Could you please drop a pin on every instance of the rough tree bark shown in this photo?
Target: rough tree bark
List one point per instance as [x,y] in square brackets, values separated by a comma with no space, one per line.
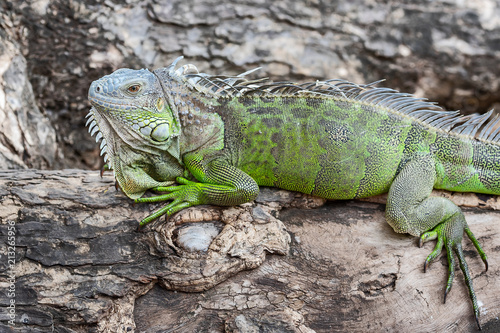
[50,52]
[82,266]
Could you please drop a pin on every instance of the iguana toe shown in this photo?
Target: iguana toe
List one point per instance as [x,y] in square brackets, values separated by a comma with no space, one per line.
[449,234]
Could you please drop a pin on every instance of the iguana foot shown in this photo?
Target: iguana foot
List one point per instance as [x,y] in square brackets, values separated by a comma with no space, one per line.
[183,196]
[449,234]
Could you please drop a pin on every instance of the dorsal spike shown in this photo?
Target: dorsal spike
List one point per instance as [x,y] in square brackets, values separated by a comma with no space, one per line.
[472,124]
[496,137]
[487,129]
[174,64]
[492,129]
[407,105]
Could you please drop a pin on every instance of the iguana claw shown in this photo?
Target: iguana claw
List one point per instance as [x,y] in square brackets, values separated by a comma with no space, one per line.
[449,234]
[104,168]
[184,196]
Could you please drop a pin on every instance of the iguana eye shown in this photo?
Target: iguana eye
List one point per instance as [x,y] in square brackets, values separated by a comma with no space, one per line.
[134,88]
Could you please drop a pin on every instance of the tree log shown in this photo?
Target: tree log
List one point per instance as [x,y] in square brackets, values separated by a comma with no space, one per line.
[285,263]
[50,52]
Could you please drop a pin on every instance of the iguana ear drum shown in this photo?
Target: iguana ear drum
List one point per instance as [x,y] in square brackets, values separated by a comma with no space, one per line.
[161,132]
[160,104]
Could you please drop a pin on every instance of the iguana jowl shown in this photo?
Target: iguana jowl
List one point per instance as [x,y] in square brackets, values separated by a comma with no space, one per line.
[220,137]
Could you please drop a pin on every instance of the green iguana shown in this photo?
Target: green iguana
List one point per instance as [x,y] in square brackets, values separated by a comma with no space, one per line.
[221,137]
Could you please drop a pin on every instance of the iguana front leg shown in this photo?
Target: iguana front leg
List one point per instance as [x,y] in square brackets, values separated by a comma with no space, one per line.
[219,184]
[411,210]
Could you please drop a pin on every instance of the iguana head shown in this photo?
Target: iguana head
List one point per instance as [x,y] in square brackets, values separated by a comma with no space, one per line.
[129,105]
[139,131]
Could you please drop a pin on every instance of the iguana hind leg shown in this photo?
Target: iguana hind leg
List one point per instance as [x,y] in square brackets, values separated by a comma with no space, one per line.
[410,209]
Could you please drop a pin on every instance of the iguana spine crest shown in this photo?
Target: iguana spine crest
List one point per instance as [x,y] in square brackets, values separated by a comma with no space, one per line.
[407,105]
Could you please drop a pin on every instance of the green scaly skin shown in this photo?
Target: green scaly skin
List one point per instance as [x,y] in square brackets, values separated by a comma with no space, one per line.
[221,140]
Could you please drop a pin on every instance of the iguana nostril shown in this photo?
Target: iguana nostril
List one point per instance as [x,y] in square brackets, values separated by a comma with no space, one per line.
[98,89]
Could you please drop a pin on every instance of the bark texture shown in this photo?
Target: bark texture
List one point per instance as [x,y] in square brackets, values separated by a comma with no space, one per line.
[82,266]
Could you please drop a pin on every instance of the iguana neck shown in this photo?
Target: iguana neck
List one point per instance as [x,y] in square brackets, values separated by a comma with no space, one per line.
[202,128]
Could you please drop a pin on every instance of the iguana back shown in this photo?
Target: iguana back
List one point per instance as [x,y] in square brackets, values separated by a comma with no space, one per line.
[318,145]
[339,148]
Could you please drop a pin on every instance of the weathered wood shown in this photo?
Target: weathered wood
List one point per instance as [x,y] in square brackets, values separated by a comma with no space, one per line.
[50,52]
[82,266]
